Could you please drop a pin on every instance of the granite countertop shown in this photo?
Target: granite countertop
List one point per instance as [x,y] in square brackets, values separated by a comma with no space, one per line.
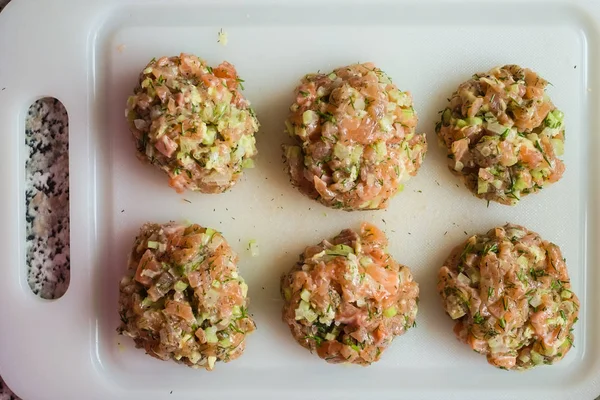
[47,198]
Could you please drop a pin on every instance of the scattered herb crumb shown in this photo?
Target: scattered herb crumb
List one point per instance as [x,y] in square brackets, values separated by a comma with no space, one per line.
[253,248]
[187,201]
[222,37]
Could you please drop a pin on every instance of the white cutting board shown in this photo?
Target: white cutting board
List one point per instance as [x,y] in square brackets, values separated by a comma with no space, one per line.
[88,54]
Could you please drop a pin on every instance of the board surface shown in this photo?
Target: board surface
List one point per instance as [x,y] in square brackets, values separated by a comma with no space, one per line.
[91,60]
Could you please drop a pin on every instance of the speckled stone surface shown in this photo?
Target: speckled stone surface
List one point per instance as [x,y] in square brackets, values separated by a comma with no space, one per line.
[47,198]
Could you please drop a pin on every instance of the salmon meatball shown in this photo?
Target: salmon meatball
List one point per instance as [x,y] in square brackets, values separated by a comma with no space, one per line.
[348,298]
[356,140]
[503,134]
[182,298]
[192,122]
[509,293]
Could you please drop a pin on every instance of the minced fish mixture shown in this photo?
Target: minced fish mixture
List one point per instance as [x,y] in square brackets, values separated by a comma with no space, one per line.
[192,122]
[503,134]
[356,140]
[182,298]
[510,295]
[347,298]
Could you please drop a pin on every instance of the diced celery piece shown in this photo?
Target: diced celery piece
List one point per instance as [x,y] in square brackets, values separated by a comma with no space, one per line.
[559,146]
[462,278]
[305,312]
[292,152]
[220,109]
[248,163]
[211,362]
[305,295]
[195,96]
[340,250]
[536,358]
[341,151]
[482,186]
[400,98]
[180,286]
[495,127]
[253,247]
[211,334]
[147,302]
[380,150]
[446,116]
[474,121]
[309,117]
[523,262]
[289,128]
[356,153]
[566,294]
[244,288]
[365,261]
[209,137]
[390,312]
[186,337]
[194,357]
[520,184]
[287,294]
[537,174]
[554,119]
[386,123]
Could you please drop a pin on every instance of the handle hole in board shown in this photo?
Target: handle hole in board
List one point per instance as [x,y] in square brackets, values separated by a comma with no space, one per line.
[47,198]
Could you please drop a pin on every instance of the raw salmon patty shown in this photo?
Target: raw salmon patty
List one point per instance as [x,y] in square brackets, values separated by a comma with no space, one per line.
[510,295]
[503,134]
[347,298]
[356,140]
[182,298]
[192,122]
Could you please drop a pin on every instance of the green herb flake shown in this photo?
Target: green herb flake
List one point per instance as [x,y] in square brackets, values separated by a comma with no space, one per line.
[478,319]
[502,323]
[539,147]
[240,81]
[562,315]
